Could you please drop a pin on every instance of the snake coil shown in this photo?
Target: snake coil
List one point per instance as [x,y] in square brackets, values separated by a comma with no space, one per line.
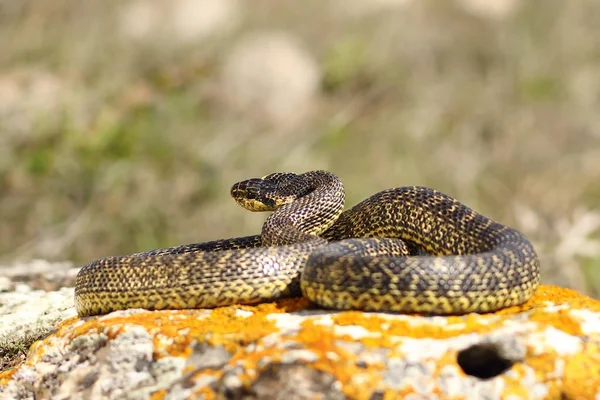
[408,249]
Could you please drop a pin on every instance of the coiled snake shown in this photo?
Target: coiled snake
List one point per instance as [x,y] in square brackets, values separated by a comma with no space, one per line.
[408,249]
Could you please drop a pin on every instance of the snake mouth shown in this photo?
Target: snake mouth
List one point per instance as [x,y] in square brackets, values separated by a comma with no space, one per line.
[254,205]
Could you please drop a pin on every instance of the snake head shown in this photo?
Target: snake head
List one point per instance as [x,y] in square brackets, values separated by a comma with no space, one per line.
[264,194]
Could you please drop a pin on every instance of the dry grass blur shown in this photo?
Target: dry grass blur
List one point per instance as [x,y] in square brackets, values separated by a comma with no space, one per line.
[123,124]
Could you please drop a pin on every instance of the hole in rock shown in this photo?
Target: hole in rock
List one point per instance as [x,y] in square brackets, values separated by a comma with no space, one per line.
[483,361]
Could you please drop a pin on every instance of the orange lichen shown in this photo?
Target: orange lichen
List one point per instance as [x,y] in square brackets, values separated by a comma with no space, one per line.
[173,331]
[559,319]
[388,328]
[293,304]
[390,394]
[334,359]
[582,373]
[205,393]
[544,364]
[513,386]
[5,376]
[159,394]
[321,340]
[546,370]
[555,295]
[471,323]
[330,358]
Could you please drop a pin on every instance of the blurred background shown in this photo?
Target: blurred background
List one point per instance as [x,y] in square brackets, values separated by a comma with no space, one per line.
[123,124]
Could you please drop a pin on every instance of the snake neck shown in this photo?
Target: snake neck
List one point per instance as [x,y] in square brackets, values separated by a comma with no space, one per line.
[311,214]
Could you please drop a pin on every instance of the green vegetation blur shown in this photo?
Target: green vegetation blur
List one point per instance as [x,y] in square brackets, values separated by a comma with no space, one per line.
[123,124]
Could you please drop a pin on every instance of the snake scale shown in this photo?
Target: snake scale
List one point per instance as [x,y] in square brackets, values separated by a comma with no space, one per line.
[408,249]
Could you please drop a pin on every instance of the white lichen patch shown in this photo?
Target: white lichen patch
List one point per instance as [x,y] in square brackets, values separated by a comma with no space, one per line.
[553,307]
[243,313]
[589,321]
[428,348]
[27,312]
[354,331]
[432,321]
[550,337]
[529,378]
[271,340]
[286,322]
[302,355]
[323,320]
[122,313]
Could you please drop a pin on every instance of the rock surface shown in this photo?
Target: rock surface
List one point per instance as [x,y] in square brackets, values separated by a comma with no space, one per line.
[547,348]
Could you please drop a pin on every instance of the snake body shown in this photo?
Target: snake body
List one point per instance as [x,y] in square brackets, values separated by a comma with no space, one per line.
[407,249]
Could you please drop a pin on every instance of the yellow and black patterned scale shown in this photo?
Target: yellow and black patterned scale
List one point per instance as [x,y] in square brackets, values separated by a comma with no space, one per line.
[408,249]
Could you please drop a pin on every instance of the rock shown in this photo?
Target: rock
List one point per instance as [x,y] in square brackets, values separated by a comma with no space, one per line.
[29,314]
[547,348]
[6,285]
[38,274]
[24,308]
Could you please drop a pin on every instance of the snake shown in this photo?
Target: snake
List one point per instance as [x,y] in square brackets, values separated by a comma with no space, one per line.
[409,249]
